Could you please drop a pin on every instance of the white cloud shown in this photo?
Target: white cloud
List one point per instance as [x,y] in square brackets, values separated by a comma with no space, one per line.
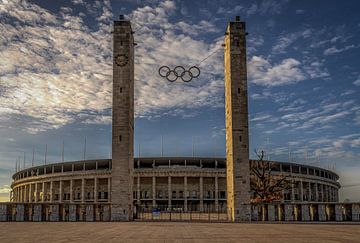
[261,117]
[262,72]
[5,189]
[357,81]
[266,7]
[286,40]
[334,50]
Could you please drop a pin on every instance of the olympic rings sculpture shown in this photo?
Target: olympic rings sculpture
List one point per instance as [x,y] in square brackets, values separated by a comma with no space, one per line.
[179,72]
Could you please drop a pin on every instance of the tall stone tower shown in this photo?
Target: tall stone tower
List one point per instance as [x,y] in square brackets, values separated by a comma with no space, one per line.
[122,122]
[237,135]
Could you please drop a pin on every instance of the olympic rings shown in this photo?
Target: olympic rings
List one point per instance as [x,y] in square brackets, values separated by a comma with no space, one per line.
[179,72]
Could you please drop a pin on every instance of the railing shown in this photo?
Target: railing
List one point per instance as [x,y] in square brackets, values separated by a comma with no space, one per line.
[178,213]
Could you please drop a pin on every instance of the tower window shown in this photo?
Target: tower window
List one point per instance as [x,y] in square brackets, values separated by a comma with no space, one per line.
[121,43]
[240,138]
[238,90]
[120,138]
[120,90]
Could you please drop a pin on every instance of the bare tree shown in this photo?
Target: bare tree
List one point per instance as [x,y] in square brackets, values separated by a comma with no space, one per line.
[266,186]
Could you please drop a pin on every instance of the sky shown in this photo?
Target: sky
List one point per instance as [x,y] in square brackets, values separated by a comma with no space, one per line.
[303,81]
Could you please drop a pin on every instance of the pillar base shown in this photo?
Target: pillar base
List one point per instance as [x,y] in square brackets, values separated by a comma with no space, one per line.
[118,213]
[243,213]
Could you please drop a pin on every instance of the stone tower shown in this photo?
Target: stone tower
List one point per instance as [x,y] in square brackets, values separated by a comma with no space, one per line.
[237,135]
[122,122]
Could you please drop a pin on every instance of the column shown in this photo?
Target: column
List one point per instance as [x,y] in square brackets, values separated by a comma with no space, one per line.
[30,193]
[201,194]
[36,193]
[109,189]
[71,191]
[169,192]
[301,191]
[95,189]
[138,190]
[20,194]
[23,194]
[316,192]
[325,193]
[44,193]
[27,193]
[61,193]
[154,191]
[185,194]
[322,192]
[310,193]
[51,191]
[82,190]
[216,194]
[293,192]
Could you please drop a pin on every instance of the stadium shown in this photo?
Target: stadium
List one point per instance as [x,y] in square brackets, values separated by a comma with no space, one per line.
[184,184]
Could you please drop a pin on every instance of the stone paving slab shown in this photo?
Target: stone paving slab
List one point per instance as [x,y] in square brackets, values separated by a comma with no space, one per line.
[175,232]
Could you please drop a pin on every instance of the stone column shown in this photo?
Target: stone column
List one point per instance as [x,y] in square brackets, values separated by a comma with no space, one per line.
[138,190]
[82,190]
[153,191]
[54,216]
[30,193]
[24,193]
[338,212]
[44,192]
[37,212]
[51,192]
[271,212]
[95,189]
[20,194]
[310,192]
[301,191]
[316,192]
[20,212]
[236,121]
[71,191]
[216,194]
[322,212]
[289,211]
[293,192]
[61,191]
[109,190]
[169,192]
[36,193]
[185,194]
[305,214]
[72,212]
[27,193]
[201,194]
[89,212]
[322,192]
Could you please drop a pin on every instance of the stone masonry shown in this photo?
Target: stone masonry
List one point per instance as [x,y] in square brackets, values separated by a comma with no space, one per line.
[123,122]
[236,108]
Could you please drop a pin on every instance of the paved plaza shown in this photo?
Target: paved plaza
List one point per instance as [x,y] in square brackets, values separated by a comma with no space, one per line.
[175,232]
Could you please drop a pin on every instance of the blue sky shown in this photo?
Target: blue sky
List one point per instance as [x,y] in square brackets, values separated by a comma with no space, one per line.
[303,74]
